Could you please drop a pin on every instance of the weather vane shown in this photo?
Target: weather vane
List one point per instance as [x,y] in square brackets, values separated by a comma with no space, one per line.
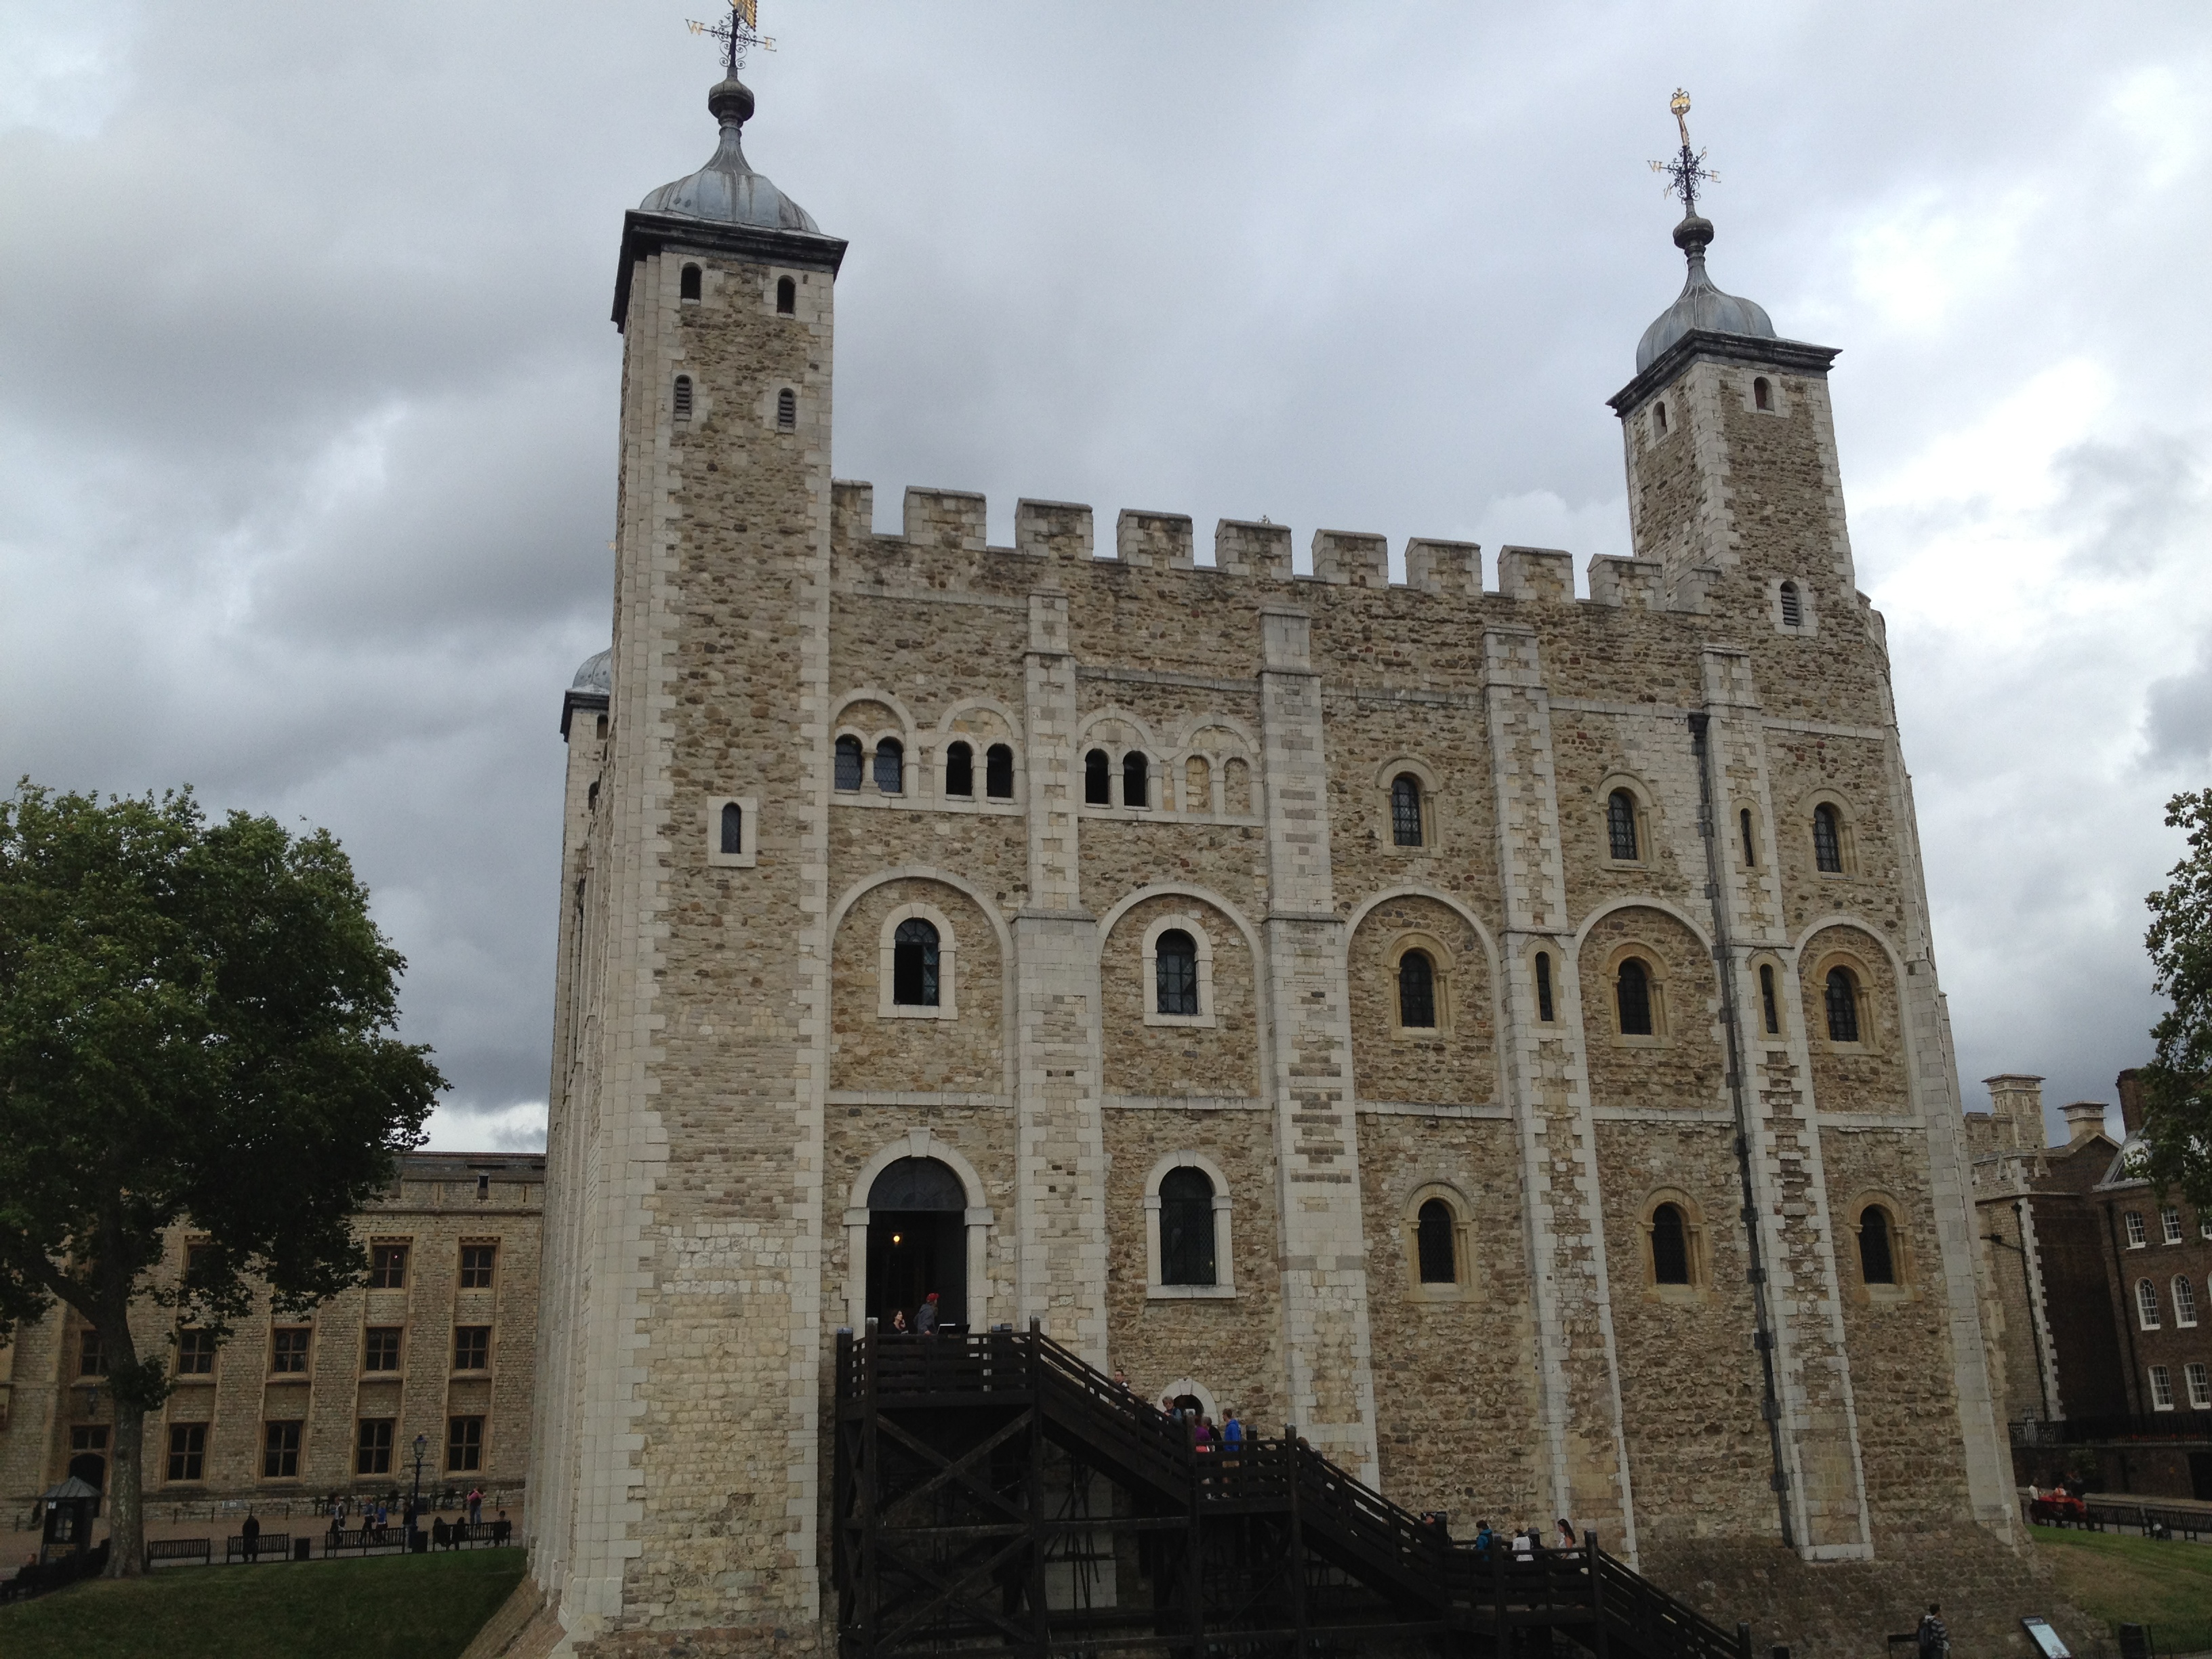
[739,32]
[1686,170]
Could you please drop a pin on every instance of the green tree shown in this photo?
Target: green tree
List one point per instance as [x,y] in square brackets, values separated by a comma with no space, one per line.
[196,1025]
[2178,1083]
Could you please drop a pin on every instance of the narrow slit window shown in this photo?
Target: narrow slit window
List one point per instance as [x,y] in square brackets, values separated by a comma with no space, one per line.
[1417,991]
[733,827]
[1175,973]
[913,964]
[1842,998]
[1544,987]
[1136,780]
[1633,994]
[1659,418]
[1187,1228]
[1750,842]
[1670,1246]
[1762,395]
[688,285]
[1877,1259]
[998,772]
[1097,778]
[848,763]
[1620,825]
[1435,1238]
[891,767]
[1793,610]
[786,410]
[786,302]
[1406,810]
[683,396]
[960,770]
[1768,1005]
[1827,839]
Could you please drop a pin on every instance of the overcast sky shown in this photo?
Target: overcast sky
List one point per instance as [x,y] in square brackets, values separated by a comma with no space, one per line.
[307,387]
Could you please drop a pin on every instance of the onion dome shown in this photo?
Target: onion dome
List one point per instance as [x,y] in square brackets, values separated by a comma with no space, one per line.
[1701,307]
[597,675]
[726,191]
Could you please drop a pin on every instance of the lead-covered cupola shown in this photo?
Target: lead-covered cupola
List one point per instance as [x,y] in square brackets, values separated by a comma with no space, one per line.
[726,191]
[1700,308]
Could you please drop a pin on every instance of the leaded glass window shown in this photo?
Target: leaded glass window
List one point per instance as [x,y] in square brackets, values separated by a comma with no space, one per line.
[1406,810]
[1175,972]
[1842,997]
[1827,839]
[1620,824]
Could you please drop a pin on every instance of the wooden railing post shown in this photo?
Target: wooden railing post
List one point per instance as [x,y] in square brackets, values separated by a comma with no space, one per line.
[1598,1642]
[1297,1552]
[866,1603]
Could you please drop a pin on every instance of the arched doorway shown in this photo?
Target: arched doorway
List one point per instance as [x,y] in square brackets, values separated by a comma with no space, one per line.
[917,1241]
[89,1459]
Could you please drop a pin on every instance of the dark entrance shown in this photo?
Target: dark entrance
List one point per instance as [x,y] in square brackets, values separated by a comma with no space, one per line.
[2200,1476]
[88,1443]
[917,1241]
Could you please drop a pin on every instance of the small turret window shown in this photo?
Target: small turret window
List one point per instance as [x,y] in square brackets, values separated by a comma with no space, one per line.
[787,302]
[786,410]
[1793,609]
[1762,395]
[1750,842]
[1544,987]
[733,828]
[1659,419]
[688,285]
[683,396]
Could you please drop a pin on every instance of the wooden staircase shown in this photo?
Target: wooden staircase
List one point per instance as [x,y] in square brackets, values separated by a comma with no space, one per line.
[995,1494]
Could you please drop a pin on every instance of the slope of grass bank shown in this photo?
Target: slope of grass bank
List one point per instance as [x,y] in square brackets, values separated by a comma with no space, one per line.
[398,1607]
[2118,1579]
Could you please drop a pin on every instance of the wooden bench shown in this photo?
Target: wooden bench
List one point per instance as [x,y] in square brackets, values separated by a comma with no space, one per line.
[270,1546]
[180,1549]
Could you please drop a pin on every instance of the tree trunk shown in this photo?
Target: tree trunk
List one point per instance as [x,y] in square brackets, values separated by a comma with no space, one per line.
[126,1507]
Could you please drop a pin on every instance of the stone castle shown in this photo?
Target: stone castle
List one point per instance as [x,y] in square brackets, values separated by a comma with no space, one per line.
[1495,1031]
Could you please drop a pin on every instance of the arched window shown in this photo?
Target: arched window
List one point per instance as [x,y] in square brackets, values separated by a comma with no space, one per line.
[1097,778]
[786,302]
[1827,839]
[1544,987]
[1762,395]
[1659,418]
[1670,1246]
[733,827]
[1185,1227]
[1197,785]
[2147,1305]
[1750,842]
[1877,1254]
[1136,780]
[848,763]
[1793,610]
[1436,1243]
[1406,810]
[913,964]
[786,410]
[1843,996]
[1175,973]
[1620,824]
[687,287]
[1768,1005]
[683,396]
[1417,991]
[1633,994]
[890,766]
[998,772]
[959,770]
[2184,1302]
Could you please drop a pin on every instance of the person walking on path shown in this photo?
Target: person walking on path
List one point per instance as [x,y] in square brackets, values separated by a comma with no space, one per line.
[251,1532]
[1232,1437]
[1933,1640]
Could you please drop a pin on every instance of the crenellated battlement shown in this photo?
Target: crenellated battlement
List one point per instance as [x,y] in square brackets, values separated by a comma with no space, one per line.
[953,522]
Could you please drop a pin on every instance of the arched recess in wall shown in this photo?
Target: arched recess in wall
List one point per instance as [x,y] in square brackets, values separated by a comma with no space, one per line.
[1389,1063]
[886,731]
[868,1048]
[1222,1051]
[1120,734]
[975,1218]
[1873,1072]
[984,724]
[1199,768]
[1679,1060]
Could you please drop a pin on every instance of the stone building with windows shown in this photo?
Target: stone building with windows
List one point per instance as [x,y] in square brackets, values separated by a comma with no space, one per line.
[1495,1030]
[439,1342]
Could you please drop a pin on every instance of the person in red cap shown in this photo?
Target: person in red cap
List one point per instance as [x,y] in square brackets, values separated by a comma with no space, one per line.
[925,1316]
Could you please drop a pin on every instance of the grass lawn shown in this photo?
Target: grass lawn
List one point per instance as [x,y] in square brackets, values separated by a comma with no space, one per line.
[398,1607]
[2137,1581]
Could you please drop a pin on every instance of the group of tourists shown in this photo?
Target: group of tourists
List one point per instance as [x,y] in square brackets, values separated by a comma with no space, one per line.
[375,1522]
[1525,1543]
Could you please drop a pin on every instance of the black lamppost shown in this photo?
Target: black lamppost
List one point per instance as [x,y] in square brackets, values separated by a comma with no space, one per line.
[414,1509]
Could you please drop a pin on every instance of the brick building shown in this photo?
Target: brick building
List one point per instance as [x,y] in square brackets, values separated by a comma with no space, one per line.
[439,1343]
[1496,1030]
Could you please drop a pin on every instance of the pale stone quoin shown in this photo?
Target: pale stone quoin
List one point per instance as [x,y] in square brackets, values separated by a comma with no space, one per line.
[1174,882]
